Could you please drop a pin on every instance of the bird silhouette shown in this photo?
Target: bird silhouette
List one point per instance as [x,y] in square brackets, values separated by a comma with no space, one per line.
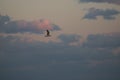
[48,33]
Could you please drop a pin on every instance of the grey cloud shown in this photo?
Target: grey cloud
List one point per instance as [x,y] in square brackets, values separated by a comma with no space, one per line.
[66,39]
[14,27]
[4,19]
[107,14]
[22,26]
[102,1]
[103,41]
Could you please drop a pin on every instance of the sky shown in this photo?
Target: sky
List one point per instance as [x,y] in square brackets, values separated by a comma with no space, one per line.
[84,42]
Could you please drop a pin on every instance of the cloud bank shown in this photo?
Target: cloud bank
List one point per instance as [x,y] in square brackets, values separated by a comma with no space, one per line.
[54,61]
[22,26]
[107,14]
[102,1]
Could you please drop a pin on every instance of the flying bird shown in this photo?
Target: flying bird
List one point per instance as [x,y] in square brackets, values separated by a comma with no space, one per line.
[48,33]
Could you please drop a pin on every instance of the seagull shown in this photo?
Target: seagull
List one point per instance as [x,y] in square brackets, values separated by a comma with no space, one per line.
[48,33]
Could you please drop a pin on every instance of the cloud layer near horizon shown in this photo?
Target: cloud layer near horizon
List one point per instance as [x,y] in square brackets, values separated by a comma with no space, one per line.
[43,61]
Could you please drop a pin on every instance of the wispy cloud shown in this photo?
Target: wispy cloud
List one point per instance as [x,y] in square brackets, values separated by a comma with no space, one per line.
[107,13]
[102,1]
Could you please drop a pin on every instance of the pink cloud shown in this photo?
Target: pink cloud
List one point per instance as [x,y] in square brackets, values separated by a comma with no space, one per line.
[22,26]
[43,24]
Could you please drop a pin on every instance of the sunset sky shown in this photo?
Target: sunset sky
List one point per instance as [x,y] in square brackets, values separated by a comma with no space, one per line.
[85,41]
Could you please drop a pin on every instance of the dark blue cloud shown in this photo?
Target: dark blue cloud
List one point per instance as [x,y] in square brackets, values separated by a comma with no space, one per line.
[107,14]
[102,1]
[54,61]
[22,26]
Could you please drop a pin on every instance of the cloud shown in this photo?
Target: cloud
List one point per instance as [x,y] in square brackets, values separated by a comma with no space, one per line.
[102,1]
[22,26]
[107,14]
[68,39]
[103,41]
[54,61]
[4,19]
